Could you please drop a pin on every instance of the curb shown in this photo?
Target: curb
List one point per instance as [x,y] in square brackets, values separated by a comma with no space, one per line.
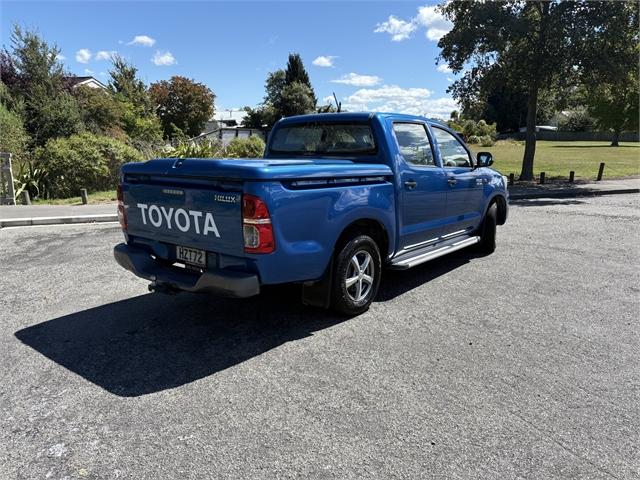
[571,194]
[27,222]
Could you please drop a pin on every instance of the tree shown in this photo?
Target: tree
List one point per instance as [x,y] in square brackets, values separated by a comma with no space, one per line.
[287,92]
[297,98]
[37,78]
[611,87]
[295,72]
[139,120]
[535,45]
[13,137]
[128,87]
[183,103]
[615,106]
[101,113]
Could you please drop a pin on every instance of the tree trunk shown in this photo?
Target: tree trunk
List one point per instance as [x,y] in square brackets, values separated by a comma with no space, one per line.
[530,138]
[616,138]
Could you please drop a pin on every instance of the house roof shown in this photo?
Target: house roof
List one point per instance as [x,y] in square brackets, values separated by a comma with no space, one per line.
[89,81]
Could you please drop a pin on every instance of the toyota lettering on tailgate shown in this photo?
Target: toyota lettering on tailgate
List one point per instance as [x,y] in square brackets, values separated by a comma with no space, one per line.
[181,218]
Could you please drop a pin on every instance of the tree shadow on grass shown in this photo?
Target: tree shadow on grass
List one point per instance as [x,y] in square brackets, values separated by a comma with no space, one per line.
[591,146]
[155,342]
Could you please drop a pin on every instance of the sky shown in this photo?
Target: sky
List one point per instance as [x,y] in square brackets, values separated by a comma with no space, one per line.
[374,55]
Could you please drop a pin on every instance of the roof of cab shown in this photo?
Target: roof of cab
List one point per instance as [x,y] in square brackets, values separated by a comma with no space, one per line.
[355,116]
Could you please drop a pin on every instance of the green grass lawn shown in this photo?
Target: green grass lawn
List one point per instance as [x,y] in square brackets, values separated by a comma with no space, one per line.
[94,198]
[556,159]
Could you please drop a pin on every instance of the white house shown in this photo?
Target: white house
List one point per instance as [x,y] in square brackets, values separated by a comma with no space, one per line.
[90,82]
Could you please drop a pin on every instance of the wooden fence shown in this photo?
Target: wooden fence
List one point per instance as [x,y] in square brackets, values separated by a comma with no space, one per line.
[7,194]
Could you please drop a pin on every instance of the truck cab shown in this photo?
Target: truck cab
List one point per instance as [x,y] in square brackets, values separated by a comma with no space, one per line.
[335,198]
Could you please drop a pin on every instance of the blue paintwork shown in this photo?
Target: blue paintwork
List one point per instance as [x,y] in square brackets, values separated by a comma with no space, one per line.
[308,219]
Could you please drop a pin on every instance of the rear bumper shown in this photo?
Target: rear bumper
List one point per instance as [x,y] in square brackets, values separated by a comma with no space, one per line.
[219,282]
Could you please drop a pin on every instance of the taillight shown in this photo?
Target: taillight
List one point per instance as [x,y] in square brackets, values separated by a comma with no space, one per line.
[256,226]
[122,213]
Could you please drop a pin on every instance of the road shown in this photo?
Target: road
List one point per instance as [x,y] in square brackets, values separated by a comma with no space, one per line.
[521,364]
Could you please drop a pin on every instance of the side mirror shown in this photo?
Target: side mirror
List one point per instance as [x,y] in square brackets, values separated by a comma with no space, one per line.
[485,159]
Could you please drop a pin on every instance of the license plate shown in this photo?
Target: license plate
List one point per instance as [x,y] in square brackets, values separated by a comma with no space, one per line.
[191,256]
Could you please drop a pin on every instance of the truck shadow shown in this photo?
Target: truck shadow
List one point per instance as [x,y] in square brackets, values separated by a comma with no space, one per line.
[155,342]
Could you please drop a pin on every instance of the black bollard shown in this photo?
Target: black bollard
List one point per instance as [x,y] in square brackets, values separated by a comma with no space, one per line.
[541,178]
[571,175]
[600,172]
[85,197]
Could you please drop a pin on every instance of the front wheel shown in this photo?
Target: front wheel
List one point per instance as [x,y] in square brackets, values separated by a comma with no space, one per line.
[488,228]
[356,276]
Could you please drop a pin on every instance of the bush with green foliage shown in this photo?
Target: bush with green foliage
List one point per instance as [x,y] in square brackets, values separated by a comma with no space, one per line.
[486,141]
[472,130]
[13,137]
[252,147]
[82,161]
[203,149]
[577,120]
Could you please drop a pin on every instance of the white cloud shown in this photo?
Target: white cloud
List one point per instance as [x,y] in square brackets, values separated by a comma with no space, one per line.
[103,74]
[392,98]
[397,28]
[143,40]
[324,61]
[434,23]
[163,59]
[60,57]
[83,55]
[444,68]
[105,55]
[88,72]
[358,80]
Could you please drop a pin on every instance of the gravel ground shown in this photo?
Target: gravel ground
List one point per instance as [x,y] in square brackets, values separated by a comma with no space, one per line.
[521,364]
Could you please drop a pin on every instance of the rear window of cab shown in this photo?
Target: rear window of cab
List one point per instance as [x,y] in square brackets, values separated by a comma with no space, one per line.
[331,138]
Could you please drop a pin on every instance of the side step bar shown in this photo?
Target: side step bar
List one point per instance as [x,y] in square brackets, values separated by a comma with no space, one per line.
[424,255]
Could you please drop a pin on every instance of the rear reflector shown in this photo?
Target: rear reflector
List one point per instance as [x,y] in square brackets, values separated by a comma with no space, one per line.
[122,213]
[256,226]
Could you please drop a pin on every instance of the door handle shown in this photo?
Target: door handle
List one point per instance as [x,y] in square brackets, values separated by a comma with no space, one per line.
[451,181]
[410,184]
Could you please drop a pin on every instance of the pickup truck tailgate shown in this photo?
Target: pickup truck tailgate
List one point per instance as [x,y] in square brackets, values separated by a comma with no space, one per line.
[198,217]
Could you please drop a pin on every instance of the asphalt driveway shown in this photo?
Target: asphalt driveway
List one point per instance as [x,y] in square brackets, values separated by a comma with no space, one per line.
[522,364]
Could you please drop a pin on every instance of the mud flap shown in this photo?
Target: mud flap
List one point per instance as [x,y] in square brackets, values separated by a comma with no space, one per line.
[318,293]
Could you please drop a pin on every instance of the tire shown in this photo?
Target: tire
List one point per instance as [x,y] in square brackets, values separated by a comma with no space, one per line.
[487,231]
[359,264]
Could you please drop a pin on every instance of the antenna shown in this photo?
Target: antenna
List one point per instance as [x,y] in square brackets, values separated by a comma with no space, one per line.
[338,104]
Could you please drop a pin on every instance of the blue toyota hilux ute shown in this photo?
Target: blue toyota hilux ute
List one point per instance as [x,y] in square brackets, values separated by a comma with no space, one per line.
[336,198]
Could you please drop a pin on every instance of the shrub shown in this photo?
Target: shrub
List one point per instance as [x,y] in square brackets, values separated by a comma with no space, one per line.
[484,129]
[82,161]
[473,139]
[252,147]
[204,149]
[486,141]
[577,120]
[13,137]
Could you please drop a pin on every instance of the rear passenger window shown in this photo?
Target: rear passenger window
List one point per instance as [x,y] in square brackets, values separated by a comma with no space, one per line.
[413,143]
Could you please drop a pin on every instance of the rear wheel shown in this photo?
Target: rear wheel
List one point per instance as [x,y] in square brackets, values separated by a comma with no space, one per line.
[487,232]
[356,276]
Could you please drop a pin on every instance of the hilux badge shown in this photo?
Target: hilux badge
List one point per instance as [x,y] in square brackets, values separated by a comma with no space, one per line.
[219,197]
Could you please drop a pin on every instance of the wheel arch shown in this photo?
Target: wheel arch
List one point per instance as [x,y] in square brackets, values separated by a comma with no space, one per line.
[368,226]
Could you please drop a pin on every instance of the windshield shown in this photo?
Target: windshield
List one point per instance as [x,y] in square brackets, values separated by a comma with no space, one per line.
[324,139]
